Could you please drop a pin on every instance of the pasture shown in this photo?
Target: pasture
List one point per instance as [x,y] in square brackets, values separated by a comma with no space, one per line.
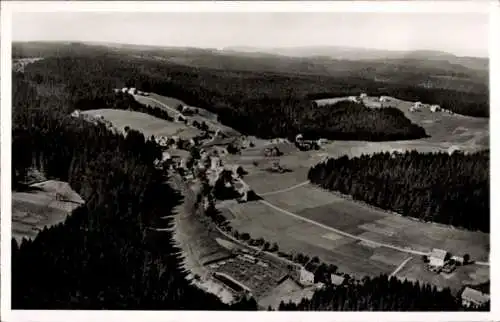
[296,236]
[170,104]
[147,124]
[39,206]
[377,225]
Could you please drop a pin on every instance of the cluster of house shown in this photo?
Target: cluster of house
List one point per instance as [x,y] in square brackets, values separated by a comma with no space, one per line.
[93,118]
[134,91]
[308,144]
[417,106]
[441,261]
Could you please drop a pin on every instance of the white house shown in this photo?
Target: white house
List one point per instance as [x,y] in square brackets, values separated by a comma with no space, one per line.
[435,108]
[214,163]
[299,137]
[166,156]
[337,279]
[306,277]
[76,113]
[124,90]
[458,259]
[472,297]
[322,141]
[132,90]
[437,257]
[417,105]
[383,99]
[363,95]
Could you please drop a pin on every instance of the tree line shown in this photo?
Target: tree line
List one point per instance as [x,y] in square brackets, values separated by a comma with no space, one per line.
[437,187]
[380,293]
[105,255]
[240,101]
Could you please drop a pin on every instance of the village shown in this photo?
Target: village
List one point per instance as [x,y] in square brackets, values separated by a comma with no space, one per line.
[252,268]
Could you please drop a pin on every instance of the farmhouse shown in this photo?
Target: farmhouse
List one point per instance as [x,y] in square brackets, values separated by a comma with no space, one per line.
[363,95]
[472,297]
[435,108]
[322,141]
[299,138]
[306,277]
[124,90]
[353,99]
[337,279]
[458,259]
[383,99]
[437,257]
[76,113]
[132,91]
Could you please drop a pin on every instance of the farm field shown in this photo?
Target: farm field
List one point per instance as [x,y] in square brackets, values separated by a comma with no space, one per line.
[170,104]
[363,220]
[147,124]
[296,236]
[38,207]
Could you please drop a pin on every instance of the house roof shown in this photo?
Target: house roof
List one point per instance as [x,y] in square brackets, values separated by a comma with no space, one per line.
[337,279]
[438,253]
[475,296]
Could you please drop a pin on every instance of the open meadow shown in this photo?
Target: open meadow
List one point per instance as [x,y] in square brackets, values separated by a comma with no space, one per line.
[147,124]
[42,204]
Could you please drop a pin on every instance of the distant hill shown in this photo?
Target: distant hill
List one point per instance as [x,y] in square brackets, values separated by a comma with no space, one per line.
[356,54]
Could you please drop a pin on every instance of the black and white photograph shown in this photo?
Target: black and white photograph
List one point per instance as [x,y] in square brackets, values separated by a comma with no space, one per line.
[238,160]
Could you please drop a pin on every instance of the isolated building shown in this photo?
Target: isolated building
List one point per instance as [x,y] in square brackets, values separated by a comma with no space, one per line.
[166,156]
[299,138]
[76,113]
[124,90]
[458,259]
[337,279]
[306,277]
[435,108]
[363,95]
[437,257]
[383,99]
[322,141]
[472,297]
[132,91]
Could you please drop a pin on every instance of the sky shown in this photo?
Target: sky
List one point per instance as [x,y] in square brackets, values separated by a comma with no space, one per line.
[462,34]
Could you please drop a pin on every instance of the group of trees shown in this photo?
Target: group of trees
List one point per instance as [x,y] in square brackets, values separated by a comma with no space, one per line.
[379,294]
[106,254]
[438,187]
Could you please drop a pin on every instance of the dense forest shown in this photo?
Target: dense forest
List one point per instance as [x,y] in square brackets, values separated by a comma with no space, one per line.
[209,86]
[105,255]
[378,294]
[438,187]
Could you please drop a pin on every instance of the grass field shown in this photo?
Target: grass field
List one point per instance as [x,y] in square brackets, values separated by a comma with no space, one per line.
[34,209]
[203,115]
[296,236]
[147,124]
